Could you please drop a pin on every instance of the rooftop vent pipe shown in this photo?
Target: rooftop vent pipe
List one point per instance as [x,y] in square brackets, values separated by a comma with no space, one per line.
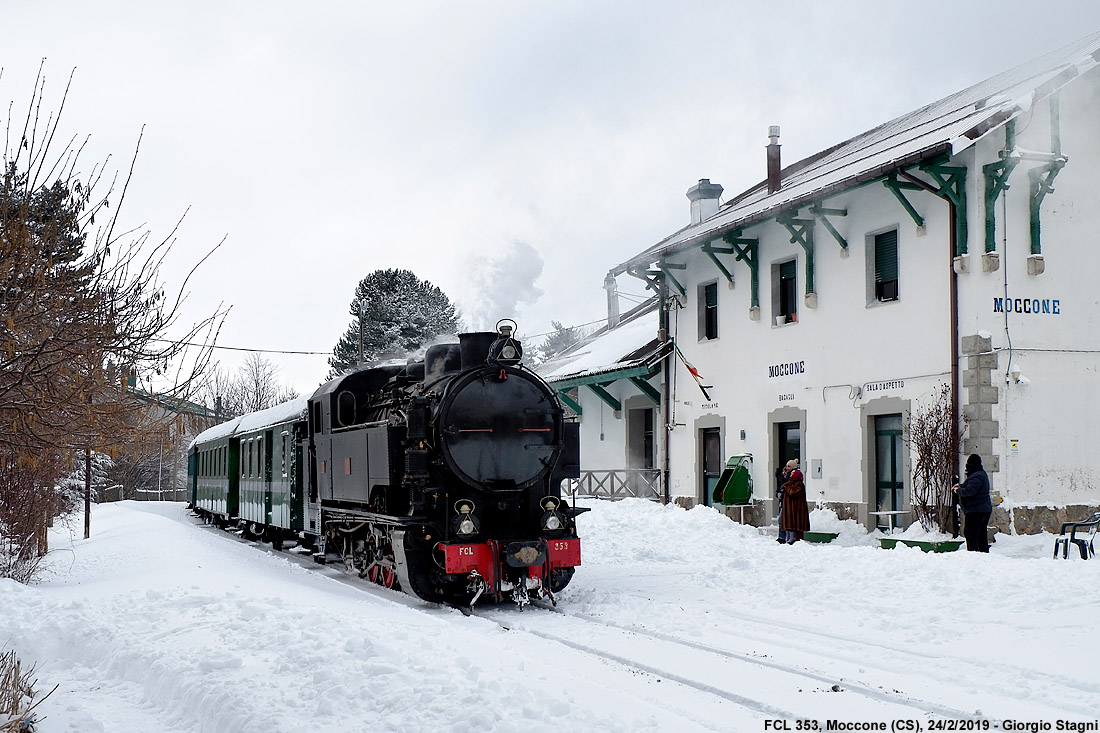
[774,165]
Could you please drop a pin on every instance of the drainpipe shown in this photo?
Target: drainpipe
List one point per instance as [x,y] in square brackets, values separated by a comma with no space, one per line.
[954,316]
[666,398]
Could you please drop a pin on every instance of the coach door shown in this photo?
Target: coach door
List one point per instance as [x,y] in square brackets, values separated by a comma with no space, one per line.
[268,445]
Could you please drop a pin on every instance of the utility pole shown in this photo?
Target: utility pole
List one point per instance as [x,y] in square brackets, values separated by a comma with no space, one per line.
[87,493]
[360,332]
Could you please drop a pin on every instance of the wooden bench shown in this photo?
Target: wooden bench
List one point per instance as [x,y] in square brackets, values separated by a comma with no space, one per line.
[1084,544]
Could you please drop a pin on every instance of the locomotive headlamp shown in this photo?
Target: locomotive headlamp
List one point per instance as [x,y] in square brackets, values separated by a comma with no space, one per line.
[551,522]
[505,351]
[466,525]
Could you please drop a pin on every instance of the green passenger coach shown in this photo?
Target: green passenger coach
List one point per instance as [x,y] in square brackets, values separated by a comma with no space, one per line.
[249,471]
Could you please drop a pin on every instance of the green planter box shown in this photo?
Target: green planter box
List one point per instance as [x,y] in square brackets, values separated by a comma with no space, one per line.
[941,546]
[819,536]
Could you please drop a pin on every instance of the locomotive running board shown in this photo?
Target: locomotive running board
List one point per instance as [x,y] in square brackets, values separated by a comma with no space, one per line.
[337,514]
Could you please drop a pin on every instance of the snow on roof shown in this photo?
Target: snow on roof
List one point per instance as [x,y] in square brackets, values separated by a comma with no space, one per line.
[948,126]
[285,412]
[605,352]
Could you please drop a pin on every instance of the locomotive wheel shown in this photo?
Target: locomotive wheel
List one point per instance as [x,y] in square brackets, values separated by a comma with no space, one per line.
[381,575]
[388,577]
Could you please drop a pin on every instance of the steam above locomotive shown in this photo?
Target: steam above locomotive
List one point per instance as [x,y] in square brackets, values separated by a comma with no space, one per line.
[441,477]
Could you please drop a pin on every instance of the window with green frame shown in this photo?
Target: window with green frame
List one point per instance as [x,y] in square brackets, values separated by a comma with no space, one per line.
[708,311]
[788,291]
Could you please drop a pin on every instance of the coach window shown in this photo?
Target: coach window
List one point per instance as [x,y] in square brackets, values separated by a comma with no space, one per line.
[708,311]
[282,457]
[882,249]
[785,292]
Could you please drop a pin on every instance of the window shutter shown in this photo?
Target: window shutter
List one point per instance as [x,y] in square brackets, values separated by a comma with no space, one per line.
[787,271]
[710,295]
[886,257]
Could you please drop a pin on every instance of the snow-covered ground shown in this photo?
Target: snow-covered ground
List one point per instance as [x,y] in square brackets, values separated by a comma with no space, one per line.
[678,620]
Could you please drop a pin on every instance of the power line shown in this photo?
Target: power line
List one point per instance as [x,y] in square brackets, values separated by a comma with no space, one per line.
[329,353]
[243,348]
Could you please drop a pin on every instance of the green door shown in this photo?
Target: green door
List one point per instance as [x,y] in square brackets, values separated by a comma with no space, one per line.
[711,442]
[889,486]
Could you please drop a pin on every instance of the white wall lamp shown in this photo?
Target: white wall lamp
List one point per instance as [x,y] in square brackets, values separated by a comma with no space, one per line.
[1016,377]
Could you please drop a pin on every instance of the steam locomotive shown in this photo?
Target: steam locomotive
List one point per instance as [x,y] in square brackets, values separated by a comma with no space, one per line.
[439,477]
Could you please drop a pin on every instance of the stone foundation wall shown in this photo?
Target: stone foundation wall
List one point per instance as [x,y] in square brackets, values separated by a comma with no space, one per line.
[1036,519]
[1028,519]
[843,510]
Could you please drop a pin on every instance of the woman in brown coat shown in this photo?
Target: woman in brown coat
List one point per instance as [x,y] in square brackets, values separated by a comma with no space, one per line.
[795,518]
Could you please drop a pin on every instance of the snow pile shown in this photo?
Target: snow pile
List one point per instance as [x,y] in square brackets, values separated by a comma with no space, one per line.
[850,533]
[158,623]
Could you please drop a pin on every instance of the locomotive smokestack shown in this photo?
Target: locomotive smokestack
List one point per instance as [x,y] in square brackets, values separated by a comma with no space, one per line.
[474,347]
[774,165]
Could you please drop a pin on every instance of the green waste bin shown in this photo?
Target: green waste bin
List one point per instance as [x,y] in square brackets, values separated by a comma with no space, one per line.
[735,484]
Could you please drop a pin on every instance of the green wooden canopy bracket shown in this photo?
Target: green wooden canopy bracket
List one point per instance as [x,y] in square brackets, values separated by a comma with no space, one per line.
[647,389]
[748,252]
[821,214]
[996,181]
[802,233]
[670,278]
[1041,180]
[896,187]
[951,180]
[1043,177]
[712,252]
[651,278]
[606,396]
[563,395]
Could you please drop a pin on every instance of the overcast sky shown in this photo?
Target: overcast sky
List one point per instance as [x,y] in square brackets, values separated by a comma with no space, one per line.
[511,152]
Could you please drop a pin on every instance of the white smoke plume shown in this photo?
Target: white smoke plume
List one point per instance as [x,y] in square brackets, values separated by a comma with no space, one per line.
[502,284]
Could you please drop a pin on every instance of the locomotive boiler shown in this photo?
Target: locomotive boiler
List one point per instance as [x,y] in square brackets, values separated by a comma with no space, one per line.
[441,477]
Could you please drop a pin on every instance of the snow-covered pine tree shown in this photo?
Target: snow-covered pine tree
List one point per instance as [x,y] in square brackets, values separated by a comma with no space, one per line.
[393,311]
[560,339]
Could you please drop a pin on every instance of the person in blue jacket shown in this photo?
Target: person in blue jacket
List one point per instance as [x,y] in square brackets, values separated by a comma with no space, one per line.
[976,504]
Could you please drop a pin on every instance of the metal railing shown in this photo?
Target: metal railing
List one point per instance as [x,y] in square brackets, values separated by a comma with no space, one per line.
[620,483]
[115,493]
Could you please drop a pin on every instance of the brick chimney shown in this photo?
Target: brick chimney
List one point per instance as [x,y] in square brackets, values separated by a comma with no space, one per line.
[704,200]
[774,166]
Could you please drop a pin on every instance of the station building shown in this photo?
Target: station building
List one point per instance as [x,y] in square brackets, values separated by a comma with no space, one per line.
[951,249]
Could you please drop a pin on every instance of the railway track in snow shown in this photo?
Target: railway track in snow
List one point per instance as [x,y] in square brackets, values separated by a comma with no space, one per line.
[767,687]
[755,681]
